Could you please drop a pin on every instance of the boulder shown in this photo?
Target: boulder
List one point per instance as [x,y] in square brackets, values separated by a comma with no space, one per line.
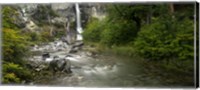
[45,55]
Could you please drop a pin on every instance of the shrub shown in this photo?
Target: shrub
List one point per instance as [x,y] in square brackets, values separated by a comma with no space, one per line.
[14,46]
[9,15]
[46,35]
[10,78]
[166,39]
[93,30]
[34,36]
[13,73]
[119,32]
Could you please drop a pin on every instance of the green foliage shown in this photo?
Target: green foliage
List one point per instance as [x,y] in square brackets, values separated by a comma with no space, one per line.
[93,30]
[13,73]
[166,39]
[35,37]
[176,72]
[136,12]
[8,14]
[127,11]
[46,36]
[59,33]
[10,78]
[123,50]
[14,46]
[163,34]
[116,32]
[119,32]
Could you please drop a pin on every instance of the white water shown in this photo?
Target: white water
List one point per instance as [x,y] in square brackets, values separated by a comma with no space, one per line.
[24,14]
[78,22]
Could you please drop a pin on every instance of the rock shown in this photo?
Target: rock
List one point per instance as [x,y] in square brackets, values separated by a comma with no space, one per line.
[74,50]
[45,55]
[80,77]
[56,57]
[62,65]
[60,49]
[68,55]
[78,44]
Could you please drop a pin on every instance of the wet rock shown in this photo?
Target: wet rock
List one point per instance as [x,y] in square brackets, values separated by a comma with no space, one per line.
[60,65]
[55,57]
[45,55]
[78,44]
[68,55]
[74,50]
[60,49]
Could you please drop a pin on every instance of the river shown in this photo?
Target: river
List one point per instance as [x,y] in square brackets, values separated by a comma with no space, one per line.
[100,70]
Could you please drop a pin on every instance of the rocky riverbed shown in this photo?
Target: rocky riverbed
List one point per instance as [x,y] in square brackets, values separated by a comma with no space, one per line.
[88,69]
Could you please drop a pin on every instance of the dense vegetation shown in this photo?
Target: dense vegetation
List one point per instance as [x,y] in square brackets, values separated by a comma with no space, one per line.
[14,49]
[161,33]
[17,42]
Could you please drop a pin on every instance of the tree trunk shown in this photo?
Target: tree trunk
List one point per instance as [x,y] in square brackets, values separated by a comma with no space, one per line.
[171,9]
[149,15]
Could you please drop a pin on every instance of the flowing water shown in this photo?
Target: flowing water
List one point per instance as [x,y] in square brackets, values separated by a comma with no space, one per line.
[95,70]
[78,21]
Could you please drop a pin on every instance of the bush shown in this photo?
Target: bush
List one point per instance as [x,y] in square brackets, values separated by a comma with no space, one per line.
[115,32]
[9,15]
[35,37]
[13,73]
[10,78]
[59,33]
[166,39]
[14,46]
[93,30]
[46,35]
[119,32]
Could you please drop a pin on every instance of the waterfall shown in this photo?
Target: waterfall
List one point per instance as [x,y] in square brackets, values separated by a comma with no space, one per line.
[78,22]
[24,14]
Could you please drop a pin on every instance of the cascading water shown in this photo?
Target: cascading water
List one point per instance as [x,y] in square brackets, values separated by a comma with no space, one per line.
[24,14]
[78,22]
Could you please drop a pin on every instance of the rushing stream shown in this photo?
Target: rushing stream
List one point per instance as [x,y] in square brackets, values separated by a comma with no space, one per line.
[94,70]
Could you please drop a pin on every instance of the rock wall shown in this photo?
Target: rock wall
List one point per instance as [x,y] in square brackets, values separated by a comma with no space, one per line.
[33,16]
